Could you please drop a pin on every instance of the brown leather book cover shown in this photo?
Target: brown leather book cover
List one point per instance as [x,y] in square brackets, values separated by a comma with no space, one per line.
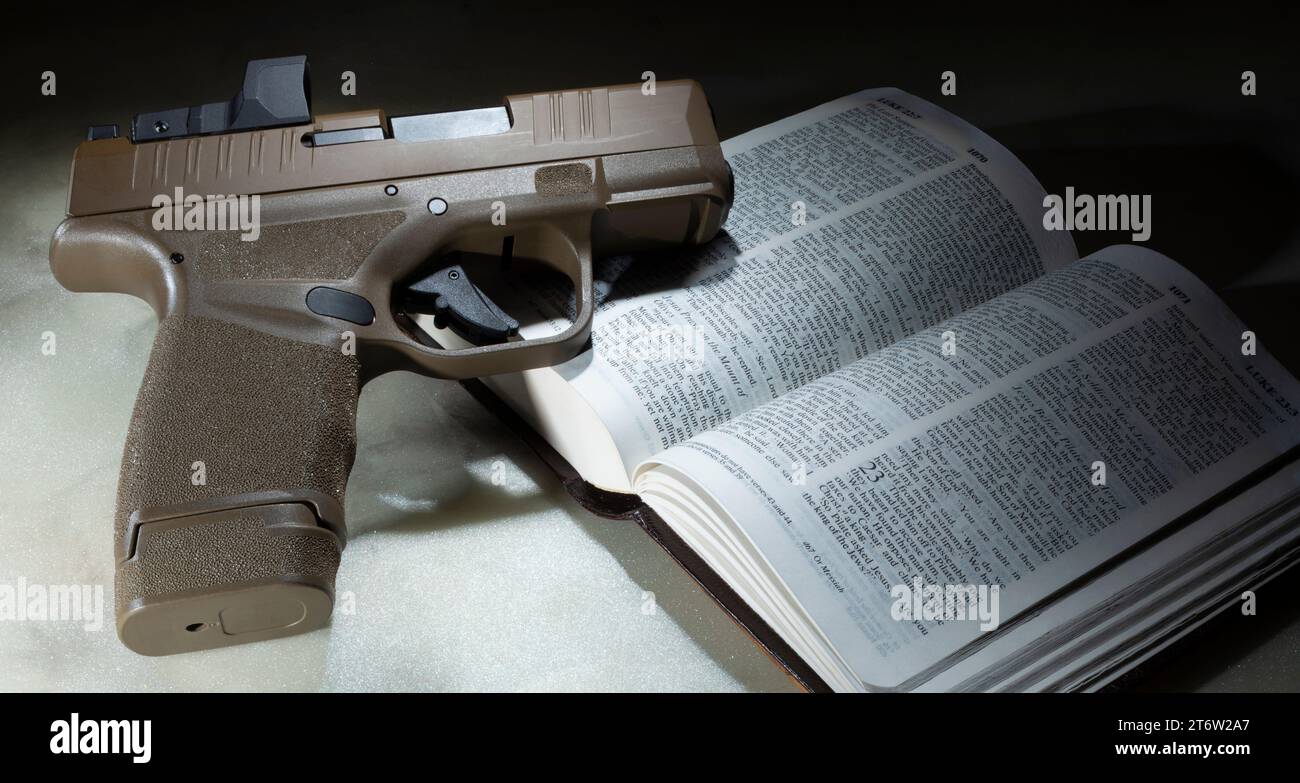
[630,508]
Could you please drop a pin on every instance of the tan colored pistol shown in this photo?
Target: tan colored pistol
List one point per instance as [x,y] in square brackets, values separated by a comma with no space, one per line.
[229,520]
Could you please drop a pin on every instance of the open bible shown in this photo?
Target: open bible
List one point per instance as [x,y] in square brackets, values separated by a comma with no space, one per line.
[909,435]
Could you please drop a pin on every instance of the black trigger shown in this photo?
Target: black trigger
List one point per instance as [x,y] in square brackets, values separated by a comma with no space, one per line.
[456,303]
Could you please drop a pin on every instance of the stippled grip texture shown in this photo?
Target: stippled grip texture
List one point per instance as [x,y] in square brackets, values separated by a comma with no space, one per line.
[260,413]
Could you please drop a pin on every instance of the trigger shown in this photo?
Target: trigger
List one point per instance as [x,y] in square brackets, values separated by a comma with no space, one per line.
[456,303]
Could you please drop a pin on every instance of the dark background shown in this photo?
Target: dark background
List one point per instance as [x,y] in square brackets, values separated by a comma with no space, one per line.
[1142,98]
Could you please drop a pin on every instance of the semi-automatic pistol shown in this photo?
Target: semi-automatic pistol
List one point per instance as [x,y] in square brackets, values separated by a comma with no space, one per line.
[287,257]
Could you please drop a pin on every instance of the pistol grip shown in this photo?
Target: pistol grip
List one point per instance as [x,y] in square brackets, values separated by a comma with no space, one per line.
[229,519]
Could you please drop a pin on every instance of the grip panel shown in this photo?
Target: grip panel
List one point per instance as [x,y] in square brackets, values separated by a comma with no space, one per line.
[250,551]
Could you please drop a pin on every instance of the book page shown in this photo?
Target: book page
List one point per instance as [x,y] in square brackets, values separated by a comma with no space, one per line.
[980,467]
[854,225]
